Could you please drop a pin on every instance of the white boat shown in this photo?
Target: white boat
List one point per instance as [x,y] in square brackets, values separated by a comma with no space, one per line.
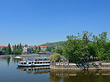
[17,57]
[33,63]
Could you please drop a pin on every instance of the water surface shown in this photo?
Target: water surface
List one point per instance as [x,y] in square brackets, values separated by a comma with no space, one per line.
[9,72]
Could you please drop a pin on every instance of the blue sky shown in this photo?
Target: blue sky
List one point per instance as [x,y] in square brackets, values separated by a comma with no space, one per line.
[35,22]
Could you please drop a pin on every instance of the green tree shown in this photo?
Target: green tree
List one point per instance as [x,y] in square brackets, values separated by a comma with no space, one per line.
[8,49]
[4,49]
[59,50]
[53,50]
[36,48]
[92,50]
[55,56]
[37,51]
[39,48]
[15,51]
[48,49]
[71,49]
[20,46]
[17,46]
[18,49]
[32,48]
[102,48]
[83,46]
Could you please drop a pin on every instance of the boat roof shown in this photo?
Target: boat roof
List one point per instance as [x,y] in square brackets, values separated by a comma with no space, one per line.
[33,61]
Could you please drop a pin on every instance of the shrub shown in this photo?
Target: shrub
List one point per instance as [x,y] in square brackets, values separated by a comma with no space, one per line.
[55,56]
[107,60]
[37,51]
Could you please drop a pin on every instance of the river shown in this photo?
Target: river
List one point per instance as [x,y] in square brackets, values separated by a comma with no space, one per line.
[9,72]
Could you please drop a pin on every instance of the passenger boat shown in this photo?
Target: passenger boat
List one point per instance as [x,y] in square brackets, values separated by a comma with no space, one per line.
[33,63]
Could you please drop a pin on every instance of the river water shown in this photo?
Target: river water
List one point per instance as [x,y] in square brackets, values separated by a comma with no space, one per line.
[9,72]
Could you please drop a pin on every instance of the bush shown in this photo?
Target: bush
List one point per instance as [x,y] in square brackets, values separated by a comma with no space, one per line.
[37,51]
[107,60]
[55,56]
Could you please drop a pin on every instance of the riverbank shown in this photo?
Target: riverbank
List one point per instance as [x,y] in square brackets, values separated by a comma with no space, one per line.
[85,66]
[6,56]
[26,55]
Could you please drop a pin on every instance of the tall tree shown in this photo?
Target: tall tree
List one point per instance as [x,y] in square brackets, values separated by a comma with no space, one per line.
[71,49]
[20,46]
[36,48]
[4,49]
[39,48]
[84,46]
[8,49]
[60,51]
[48,49]
[17,46]
[92,50]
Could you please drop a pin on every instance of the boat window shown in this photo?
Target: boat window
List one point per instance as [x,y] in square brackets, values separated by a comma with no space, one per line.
[40,59]
[44,62]
[35,62]
[29,62]
[25,63]
[45,59]
[40,62]
[21,63]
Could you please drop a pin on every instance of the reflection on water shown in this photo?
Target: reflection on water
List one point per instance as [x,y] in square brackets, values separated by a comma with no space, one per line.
[9,69]
[80,75]
[34,70]
[14,60]
[8,60]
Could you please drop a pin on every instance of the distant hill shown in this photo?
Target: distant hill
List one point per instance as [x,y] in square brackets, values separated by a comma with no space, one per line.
[54,44]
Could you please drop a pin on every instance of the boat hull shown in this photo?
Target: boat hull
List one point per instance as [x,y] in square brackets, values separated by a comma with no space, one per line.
[32,65]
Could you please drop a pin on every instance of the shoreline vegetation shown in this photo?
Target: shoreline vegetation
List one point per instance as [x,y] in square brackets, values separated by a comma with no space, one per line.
[86,47]
[82,48]
[6,55]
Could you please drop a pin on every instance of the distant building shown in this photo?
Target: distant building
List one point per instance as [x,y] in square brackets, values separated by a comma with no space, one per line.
[43,48]
[2,47]
[34,47]
[51,47]
[27,50]
[22,46]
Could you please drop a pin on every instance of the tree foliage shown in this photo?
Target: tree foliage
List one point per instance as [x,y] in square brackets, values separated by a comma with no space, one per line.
[48,49]
[17,49]
[60,51]
[80,48]
[37,51]
[8,49]
[4,49]
[55,56]
[54,44]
